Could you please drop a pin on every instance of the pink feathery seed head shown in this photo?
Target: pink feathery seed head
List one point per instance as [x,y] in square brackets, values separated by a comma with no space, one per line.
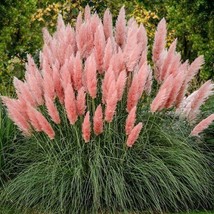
[162,96]
[49,85]
[134,134]
[52,110]
[133,96]
[70,104]
[60,23]
[202,95]
[81,101]
[120,28]
[111,102]
[108,78]
[77,77]
[57,84]
[142,74]
[13,109]
[78,21]
[44,124]
[143,58]
[120,84]
[176,86]
[98,120]
[204,124]
[107,54]
[91,76]
[87,13]
[148,85]
[94,23]
[33,119]
[86,128]
[130,120]
[194,68]
[107,24]
[23,91]
[142,37]
[168,60]
[159,41]
[65,74]
[99,47]
[175,65]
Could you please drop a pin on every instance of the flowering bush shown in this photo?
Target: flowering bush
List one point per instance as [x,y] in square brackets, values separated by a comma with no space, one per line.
[89,101]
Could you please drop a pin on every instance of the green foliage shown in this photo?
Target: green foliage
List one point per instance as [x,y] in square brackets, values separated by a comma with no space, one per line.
[164,171]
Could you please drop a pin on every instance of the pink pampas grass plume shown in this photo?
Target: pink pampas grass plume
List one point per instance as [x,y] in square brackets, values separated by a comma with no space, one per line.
[99,47]
[81,101]
[194,68]
[168,60]
[44,124]
[142,37]
[33,119]
[15,113]
[98,120]
[77,76]
[142,74]
[159,41]
[107,24]
[133,96]
[130,120]
[201,96]
[120,29]
[86,128]
[176,86]
[204,124]
[134,134]
[87,13]
[143,58]
[120,84]
[107,54]
[78,22]
[70,104]
[107,80]
[52,110]
[148,85]
[23,91]
[91,76]
[111,102]
[163,94]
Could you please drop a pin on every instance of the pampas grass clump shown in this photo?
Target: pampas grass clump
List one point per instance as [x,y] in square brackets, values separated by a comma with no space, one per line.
[95,140]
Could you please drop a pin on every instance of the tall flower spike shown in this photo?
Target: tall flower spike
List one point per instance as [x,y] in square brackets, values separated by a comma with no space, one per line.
[81,101]
[107,24]
[98,120]
[133,95]
[204,124]
[134,134]
[52,110]
[70,104]
[120,29]
[86,128]
[107,54]
[91,76]
[159,41]
[120,84]
[130,120]
[77,76]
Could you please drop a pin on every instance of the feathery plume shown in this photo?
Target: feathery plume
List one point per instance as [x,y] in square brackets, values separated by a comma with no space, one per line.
[77,76]
[107,54]
[81,101]
[99,47]
[98,120]
[91,76]
[78,22]
[111,102]
[52,110]
[133,96]
[204,124]
[87,13]
[120,29]
[134,134]
[130,120]
[70,104]
[120,84]
[159,41]
[107,24]
[148,85]
[86,128]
